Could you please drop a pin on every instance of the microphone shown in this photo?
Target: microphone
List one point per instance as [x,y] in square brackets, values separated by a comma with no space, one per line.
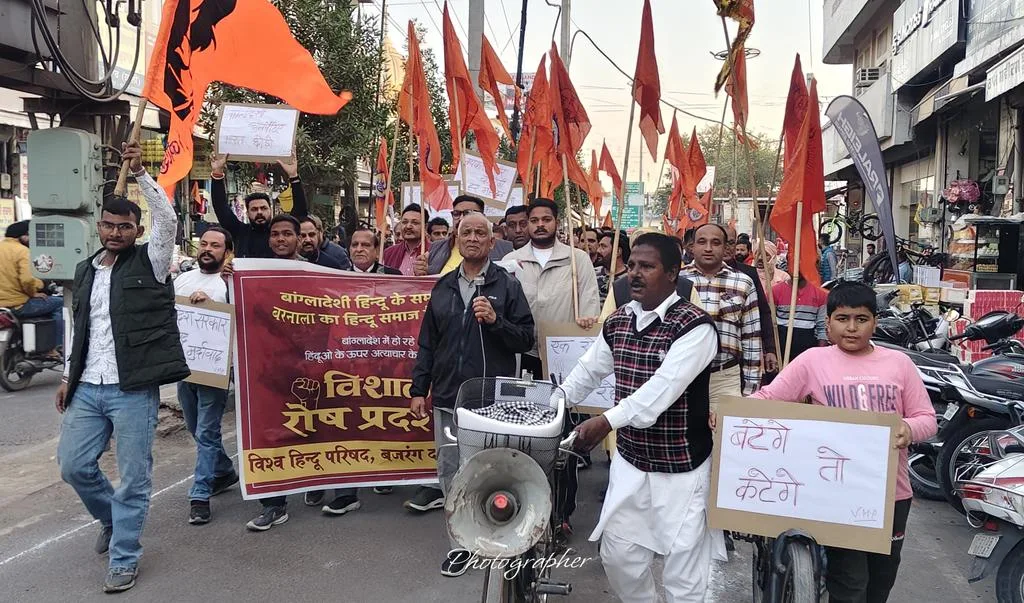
[478,282]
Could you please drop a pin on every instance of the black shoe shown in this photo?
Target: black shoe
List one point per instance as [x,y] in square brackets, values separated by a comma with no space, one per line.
[270,517]
[314,498]
[199,512]
[223,483]
[383,489]
[342,505]
[103,540]
[120,579]
[456,563]
[425,499]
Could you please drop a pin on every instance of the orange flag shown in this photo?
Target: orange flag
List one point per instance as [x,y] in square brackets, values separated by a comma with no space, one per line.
[570,116]
[796,105]
[678,162]
[695,159]
[414,109]
[202,41]
[647,86]
[607,166]
[607,221]
[802,180]
[385,197]
[736,88]
[536,127]
[464,110]
[741,11]
[492,73]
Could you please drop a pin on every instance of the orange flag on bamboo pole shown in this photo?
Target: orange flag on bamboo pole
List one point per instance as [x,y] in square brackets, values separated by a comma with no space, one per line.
[464,110]
[383,194]
[741,11]
[675,155]
[414,109]
[796,106]
[607,166]
[646,84]
[202,41]
[803,179]
[536,139]
[571,117]
[736,88]
[492,73]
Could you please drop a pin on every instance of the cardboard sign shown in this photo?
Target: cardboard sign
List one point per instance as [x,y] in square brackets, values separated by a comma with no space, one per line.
[561,346]
[477,183]
[828,471]
[206,330]
[260,133]
[412,192]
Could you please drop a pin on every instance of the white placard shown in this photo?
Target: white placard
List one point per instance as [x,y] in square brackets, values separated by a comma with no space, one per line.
[707,181]
[206,340]
[477,183]
[928,276]
[816,470]
[516,196]
[255,132]
[563,354]
[412,192]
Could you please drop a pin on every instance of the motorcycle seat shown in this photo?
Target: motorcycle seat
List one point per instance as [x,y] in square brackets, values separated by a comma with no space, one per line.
[996,386]
[929,359]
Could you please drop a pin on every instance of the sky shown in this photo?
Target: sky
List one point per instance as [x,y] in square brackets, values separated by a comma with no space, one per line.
[686,32]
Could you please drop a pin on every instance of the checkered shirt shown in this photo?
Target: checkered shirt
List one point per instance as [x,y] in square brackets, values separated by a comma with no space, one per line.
[518,412]
[731,299]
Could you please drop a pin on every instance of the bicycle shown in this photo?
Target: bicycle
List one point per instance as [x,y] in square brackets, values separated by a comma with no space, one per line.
[501,502]
[878,268]
[868,225]
[786,569]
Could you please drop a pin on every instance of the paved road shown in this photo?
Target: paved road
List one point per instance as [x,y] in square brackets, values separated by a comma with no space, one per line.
[379,553]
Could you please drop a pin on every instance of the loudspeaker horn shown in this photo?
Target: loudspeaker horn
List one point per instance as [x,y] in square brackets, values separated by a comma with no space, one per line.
[510,475]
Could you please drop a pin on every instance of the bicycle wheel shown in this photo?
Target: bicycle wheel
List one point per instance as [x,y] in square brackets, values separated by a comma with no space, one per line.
[759,568]
[878,269]
[832,229]
[800,585]
[871,227]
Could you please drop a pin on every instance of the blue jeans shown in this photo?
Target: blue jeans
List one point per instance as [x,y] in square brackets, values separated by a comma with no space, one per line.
[96,412]
[52,306]
[203,409]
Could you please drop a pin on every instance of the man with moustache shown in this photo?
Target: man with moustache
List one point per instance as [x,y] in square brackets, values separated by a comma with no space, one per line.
[517,226]
[604,250]
[444,255]
[659,347]
[477,320]
[589,243]
[362,248]
[202,406]
[404,255]
[437,229]
[310,243]
[251,240]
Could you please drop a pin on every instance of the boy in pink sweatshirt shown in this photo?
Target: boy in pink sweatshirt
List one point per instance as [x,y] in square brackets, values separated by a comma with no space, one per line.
[855,374]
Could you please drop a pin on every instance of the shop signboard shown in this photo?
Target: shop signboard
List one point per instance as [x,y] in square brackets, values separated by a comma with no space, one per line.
[1005,76]
[922,31]
[994,27]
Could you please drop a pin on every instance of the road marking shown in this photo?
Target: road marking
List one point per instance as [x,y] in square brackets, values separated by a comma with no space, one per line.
[73,531]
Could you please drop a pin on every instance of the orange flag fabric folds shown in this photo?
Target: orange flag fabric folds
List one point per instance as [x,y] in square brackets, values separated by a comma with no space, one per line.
[803,179]
[647,86]
[537,139]
[385,198]
[608,167]
[414,109]
[464,110]
[741,11]
[202,41]
[492,73]
[571,117]
[736,88]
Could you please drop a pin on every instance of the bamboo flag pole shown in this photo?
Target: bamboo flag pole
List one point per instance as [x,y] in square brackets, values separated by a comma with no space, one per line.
[391,168]
[609,302]
[458,131]
[572,250]
[795,284]
[122,176]
[529,166]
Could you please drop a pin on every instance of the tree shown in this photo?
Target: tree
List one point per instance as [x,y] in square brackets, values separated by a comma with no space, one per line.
[349,54]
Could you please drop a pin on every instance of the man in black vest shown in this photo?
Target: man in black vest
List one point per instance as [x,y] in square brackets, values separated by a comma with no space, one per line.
[125,344]
[660,348]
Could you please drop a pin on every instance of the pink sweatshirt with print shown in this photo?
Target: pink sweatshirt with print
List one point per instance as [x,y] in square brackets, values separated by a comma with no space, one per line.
[883,381]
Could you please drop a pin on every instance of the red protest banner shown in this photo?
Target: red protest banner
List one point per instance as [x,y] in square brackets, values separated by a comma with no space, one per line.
[323,377]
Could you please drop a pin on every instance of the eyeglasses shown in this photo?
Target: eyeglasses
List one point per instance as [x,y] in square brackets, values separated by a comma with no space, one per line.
[120,227]
[459,214]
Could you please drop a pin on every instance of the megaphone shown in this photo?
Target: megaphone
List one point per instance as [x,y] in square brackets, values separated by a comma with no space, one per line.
[498,504]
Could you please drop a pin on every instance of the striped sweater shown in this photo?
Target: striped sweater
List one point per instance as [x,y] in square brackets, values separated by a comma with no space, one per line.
[810,308]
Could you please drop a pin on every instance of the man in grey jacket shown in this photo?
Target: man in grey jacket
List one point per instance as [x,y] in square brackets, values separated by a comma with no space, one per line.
[441,259]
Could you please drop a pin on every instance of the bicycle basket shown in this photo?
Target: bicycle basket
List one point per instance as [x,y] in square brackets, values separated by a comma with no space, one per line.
[501,412]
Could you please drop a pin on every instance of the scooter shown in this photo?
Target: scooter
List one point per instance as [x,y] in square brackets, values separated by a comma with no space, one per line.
[27,347]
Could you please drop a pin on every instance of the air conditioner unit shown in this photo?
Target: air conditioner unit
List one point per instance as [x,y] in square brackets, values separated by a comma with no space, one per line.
[865,77]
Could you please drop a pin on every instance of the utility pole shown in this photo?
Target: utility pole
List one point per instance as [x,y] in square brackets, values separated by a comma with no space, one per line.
[79,46]
[566,27]
[475,32]
[519,71]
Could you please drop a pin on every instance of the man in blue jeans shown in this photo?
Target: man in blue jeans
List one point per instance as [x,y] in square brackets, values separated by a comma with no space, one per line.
[125,344]
[19,290]
[203,405]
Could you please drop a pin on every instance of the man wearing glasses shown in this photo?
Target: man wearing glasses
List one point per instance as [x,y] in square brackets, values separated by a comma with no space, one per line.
[125,344]
[444,255]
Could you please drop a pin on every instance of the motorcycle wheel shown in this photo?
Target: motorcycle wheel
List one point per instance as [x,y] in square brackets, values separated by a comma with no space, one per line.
[952,444]
[799,585]
[10,379]
[832,229]
[1010,577]
[923,480]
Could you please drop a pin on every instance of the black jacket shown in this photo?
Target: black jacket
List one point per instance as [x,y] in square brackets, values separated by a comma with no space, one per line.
[450,336]
[336,253]
[378,268]
[252,240]
[764,311]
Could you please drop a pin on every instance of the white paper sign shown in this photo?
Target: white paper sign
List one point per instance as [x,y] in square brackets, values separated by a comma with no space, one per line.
[412,192]
[705,183]
[256,131]
[205,339]
[516,196]
[816,470]
[564,353]
[477,183]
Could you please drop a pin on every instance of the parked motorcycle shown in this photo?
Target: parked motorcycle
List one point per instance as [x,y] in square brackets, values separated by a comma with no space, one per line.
[27,347]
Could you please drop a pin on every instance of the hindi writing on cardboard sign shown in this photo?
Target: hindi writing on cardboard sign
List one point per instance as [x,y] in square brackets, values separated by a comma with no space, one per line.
[256,131]
[206,340]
